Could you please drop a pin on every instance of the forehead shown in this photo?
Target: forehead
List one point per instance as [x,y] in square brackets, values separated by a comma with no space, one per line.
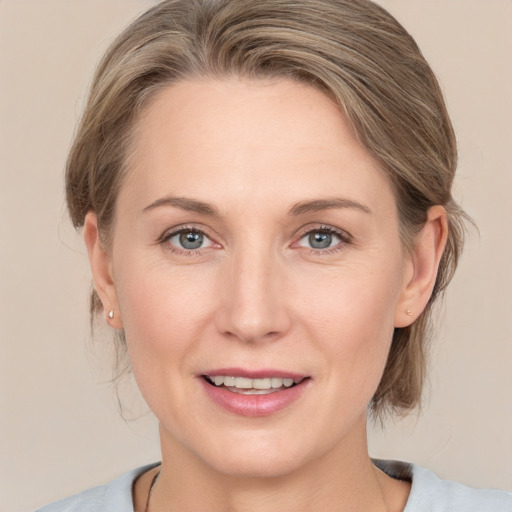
[276,140]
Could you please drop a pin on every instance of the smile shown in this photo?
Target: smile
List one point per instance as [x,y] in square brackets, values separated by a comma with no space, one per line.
[249,386]
[253,393]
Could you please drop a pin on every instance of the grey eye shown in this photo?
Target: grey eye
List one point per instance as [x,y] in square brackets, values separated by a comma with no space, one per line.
[191,239]
[320,240]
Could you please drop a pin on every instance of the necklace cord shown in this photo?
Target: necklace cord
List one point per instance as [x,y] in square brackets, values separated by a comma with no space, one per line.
[153,482]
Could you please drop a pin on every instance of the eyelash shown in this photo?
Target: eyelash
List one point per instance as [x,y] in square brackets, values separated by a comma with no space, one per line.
[344,237]
[166,237]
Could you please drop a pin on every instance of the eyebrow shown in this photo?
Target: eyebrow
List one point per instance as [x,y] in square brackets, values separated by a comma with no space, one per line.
[191,205]
[326,204]
[300,208]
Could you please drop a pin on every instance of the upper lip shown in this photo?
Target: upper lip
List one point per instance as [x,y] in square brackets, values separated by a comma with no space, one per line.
[254,374]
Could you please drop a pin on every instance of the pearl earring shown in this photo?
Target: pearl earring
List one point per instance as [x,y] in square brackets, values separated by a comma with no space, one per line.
[111,314]
[409,312]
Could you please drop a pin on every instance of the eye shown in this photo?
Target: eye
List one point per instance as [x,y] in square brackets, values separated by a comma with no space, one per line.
[321,239]
[188,239]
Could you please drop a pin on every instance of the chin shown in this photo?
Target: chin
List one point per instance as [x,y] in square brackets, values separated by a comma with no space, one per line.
[244,466]
[258,458]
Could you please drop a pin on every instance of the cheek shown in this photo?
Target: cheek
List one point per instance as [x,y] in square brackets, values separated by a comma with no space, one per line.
[165,314]
[350,314]
[357,298]
[164,309]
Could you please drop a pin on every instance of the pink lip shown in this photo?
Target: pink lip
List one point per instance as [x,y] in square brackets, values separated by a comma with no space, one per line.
[254,405]
[254,374]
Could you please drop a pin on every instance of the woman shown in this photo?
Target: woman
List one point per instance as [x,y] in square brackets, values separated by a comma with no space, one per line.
[264,189]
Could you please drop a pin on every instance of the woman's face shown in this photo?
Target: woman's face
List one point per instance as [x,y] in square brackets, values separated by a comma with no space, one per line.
[256,244]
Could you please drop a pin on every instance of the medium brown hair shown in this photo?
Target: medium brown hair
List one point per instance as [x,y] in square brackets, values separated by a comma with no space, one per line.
[353,50]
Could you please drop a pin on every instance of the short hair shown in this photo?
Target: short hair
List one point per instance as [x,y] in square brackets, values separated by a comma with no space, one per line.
[352,50]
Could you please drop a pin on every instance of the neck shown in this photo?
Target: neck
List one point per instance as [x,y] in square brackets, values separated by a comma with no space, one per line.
[343,479]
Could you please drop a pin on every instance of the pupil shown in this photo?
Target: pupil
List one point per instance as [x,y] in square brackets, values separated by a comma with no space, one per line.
[320,240]
[191,240]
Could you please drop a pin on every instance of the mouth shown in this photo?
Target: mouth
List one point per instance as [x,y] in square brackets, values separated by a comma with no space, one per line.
[256,386]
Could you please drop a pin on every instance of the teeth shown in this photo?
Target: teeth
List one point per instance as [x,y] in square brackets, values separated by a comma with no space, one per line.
[262,383]
[228,381]
[245,383]
[277,383]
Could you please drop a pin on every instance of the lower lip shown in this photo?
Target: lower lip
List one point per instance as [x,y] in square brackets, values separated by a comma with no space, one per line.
[254,405]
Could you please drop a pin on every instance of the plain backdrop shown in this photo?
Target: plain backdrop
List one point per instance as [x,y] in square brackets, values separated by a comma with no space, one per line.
[60,429]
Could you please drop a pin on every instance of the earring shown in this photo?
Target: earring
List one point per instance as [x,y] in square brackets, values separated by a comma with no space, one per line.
[408,312]
[111,314]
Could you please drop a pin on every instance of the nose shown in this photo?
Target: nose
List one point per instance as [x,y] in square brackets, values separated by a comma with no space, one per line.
[253,297]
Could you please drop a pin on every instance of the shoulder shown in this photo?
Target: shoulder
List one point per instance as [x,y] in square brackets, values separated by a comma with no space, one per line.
[429,493]
[115,496]
[447,496]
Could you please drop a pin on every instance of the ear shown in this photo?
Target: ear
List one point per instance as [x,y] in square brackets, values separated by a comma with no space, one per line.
[421,267]
[101,266]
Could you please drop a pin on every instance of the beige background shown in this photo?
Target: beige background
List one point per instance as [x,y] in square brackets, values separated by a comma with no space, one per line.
[59,425]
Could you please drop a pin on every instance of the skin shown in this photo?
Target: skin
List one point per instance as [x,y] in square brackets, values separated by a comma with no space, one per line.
[257,295]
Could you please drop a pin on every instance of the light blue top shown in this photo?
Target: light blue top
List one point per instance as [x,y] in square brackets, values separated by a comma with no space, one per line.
[428,493]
